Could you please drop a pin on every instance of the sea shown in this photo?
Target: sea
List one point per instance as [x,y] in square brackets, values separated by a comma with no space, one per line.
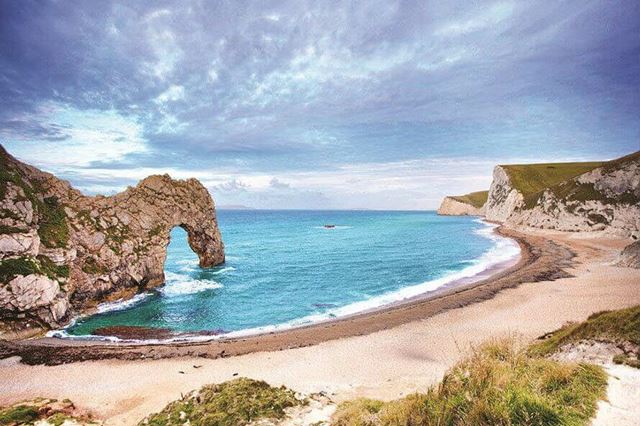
[286,269]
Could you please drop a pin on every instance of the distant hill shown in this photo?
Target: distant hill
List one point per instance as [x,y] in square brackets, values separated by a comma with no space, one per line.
[476,199]
[578,196]
[468,204]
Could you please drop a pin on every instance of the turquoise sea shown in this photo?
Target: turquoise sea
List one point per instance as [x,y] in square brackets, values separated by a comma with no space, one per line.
[284,269]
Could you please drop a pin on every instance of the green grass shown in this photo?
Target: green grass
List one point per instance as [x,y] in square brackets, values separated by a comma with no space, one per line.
[18,415]
[237,402]
[41,409]
[9,268]
[4,229]
[532,179]
[52,228]
[476,199]
[609,326]
[28,265]
[500,384]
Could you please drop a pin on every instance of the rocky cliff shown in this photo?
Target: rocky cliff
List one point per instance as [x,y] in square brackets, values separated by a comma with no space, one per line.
[606,198]
[590,196]
[62,252]
[464,205]
[503,198]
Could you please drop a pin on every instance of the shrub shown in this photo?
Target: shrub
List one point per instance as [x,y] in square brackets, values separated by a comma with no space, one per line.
[20,414]
[237,402]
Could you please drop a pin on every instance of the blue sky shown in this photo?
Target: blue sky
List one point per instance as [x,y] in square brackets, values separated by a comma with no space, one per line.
[376,104]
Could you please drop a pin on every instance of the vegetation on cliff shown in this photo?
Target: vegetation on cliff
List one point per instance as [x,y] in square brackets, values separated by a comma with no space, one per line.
[53,228]
[530,179]
[237,402]
[43,411]
[476,199]
[50,229]
[10,268]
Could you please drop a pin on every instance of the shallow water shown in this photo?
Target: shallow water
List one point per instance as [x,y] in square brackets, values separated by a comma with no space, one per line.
[284,268]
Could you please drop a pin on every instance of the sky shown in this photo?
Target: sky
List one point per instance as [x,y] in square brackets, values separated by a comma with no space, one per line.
[319,104]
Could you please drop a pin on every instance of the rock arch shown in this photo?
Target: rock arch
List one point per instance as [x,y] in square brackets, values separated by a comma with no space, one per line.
[92,249]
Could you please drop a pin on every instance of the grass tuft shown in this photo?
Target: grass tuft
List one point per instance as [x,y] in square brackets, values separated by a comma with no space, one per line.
[53,229]
[237,402]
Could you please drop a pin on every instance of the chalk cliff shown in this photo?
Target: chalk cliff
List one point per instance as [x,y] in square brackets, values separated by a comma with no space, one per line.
[604,199]
[464,205]
[62,252]
[452,207]
[595,196]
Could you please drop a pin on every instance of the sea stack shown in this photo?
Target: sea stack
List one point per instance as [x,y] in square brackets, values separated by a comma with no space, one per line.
[62,252]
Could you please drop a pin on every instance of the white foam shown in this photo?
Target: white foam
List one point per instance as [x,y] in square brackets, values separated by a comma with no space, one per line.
[179,284]
[120,304]
[223,270]
[503,251]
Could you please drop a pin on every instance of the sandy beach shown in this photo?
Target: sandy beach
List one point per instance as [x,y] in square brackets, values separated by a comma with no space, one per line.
[384,355]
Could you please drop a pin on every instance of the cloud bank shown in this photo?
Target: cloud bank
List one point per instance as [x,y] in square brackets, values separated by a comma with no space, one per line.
[316,104]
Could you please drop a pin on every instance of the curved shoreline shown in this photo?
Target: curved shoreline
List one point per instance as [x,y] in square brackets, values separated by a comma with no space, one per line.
[469,275]
[540,259]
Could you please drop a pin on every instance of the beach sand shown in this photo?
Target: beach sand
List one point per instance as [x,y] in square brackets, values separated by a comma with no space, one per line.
[397,359]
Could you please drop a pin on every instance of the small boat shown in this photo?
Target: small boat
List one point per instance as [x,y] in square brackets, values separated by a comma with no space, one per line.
[329,226]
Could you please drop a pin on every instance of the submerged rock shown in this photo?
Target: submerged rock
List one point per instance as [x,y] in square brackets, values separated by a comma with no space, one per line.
[62,252]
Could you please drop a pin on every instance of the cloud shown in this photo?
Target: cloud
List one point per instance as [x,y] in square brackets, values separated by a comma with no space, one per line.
[232,185]
[280,90]
[277,183]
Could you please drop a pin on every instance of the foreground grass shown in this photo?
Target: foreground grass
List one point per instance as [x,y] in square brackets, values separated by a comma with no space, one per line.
[237,402]
[500,384]
[476,199]
[42,411]
[618,327]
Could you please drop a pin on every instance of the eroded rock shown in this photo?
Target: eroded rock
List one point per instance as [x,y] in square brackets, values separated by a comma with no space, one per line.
[62,252]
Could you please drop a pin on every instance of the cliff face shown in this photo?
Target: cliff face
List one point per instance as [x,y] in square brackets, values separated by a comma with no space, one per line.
[604,199]
[503,199]
[452,207]
[590,196]
[63,252]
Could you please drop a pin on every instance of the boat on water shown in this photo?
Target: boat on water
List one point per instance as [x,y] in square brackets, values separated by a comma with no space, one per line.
[329,226]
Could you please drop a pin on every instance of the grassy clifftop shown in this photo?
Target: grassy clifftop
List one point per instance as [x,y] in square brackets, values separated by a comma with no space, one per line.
[530,179]
[476,199]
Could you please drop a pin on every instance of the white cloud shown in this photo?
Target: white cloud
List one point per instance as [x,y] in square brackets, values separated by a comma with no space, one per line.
[172,94]
[493,15]
[92,135]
